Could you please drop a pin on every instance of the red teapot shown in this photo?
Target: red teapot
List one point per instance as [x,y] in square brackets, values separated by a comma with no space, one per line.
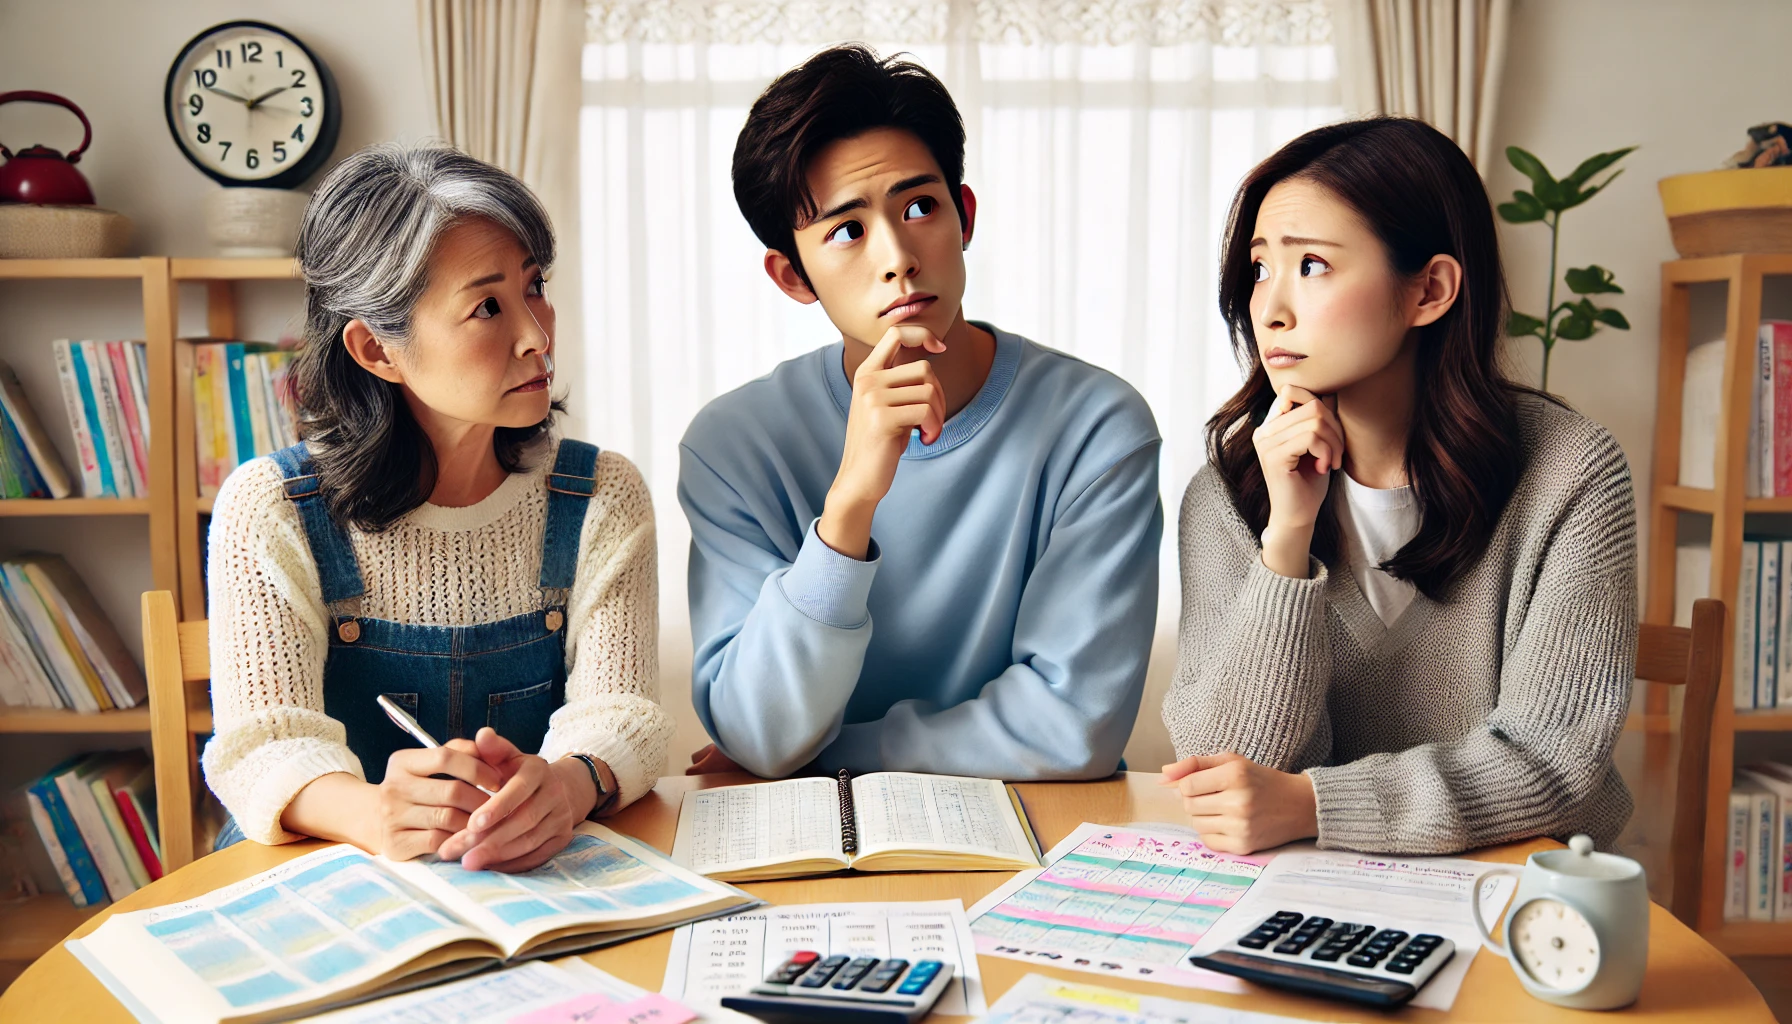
[39,174]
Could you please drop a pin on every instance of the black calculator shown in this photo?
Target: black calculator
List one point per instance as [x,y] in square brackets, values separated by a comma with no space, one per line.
[809,988]
[1361,963]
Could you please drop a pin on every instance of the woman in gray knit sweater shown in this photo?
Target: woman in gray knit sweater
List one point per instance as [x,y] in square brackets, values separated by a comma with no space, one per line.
[1408,584]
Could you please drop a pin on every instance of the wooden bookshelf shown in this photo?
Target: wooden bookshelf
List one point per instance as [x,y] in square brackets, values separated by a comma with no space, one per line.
[1726,504]
[126,720]
[43,507]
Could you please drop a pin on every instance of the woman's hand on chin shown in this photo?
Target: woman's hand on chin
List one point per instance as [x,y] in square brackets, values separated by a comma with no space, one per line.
[1239,806]
[1298,446]
[531,818]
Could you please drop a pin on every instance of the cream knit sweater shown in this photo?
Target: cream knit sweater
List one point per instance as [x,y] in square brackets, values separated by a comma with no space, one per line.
[436,566]
[1482,719]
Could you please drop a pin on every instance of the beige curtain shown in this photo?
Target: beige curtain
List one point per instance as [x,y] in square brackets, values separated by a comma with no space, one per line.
[1436,59]
[502,78]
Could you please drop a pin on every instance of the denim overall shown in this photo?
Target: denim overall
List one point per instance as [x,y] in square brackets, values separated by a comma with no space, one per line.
[510,674]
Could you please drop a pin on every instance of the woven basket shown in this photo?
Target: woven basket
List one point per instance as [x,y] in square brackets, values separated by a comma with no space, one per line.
[1740,210]
[28,231]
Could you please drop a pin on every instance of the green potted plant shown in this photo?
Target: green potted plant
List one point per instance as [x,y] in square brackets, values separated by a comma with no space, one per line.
[1547,200]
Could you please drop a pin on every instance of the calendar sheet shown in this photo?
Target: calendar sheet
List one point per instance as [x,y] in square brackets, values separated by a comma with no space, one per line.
[729,955]
[1126,901]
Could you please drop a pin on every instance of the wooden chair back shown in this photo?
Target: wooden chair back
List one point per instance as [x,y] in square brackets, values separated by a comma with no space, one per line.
[177,664]
[1692,658]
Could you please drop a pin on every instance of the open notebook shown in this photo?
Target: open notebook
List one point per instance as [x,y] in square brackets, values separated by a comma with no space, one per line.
[338,926]
[885,821]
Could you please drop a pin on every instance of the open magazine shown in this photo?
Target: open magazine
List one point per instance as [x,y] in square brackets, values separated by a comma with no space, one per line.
[885,821]
[339,926]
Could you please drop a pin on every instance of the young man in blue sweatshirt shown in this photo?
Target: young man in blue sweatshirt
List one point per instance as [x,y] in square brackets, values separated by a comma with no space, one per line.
[933,545]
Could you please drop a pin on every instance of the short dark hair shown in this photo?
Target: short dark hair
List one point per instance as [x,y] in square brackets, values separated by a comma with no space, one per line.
[1421,197]
[839,93]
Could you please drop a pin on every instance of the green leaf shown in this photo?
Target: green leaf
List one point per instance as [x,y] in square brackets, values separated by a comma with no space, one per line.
[1553,195]
[1614,318]
[1579,324]
[1520,324]
[1575,328]
[1594,164]
[1530,167]
[1593,280]
[1523,209]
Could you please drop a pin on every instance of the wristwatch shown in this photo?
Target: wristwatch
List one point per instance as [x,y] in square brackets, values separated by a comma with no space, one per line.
[606,798]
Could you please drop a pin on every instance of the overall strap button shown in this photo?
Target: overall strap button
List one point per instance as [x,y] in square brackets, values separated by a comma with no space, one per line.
[349,631]
[555,620]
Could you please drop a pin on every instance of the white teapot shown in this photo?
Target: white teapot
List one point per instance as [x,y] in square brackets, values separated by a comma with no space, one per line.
[1577,929]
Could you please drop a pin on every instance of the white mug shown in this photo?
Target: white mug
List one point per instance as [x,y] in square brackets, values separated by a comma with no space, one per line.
[1577,928]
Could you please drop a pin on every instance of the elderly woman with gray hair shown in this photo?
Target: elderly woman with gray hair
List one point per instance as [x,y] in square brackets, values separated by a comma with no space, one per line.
[432,541]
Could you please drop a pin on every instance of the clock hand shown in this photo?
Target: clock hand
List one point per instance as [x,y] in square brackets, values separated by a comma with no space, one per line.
[222,92]
[256,102]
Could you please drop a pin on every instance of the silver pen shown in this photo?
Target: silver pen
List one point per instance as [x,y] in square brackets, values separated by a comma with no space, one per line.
[402,718]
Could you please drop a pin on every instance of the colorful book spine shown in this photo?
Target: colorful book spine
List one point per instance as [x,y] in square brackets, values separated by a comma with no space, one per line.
[1776,336]
[223,420]
[121,836]
[44,459]
[46,832]
[40,627]
[68,837]
[105,392]
[1783,672]
[132,412]
[204,367]
[1767,627]
[132,813]
[1748,591]
[1736,859]
[85,811]
[255,396]
[85,381]
[91,481]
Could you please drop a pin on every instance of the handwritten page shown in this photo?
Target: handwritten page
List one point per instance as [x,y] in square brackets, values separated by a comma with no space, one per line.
[1418,895]
[1122,901]
[1037,999]
[898,809]
[735,827]
[712,959]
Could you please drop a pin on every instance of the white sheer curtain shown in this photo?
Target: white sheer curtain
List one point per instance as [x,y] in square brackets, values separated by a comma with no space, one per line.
[1105,138]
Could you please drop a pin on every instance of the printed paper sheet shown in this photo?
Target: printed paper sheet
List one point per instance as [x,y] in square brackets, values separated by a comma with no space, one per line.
[1126,901]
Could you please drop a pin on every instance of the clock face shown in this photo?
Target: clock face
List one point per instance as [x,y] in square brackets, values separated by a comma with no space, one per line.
[1555,945]
[250,105]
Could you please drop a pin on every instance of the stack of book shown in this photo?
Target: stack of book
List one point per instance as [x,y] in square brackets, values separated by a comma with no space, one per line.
[1770,424]
[29,466]
[1763,659]
[1758,869]
[57,649]
[96,816]
[242,406]
[105,388]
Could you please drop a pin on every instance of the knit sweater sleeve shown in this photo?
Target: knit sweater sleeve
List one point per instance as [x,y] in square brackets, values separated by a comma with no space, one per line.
[270,736]
[1253,653]
[612,708]
[1544,752]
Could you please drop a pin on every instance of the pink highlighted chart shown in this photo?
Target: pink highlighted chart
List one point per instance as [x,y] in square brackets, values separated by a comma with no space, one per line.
[1117,900]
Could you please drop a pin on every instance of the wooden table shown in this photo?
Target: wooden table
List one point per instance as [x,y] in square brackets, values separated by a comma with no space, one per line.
[1688,980]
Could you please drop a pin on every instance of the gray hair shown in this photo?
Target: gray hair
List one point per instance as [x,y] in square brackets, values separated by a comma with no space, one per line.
[372,224]
[364,250]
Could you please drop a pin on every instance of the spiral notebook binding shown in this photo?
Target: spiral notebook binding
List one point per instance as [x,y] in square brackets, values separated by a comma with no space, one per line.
[849,818]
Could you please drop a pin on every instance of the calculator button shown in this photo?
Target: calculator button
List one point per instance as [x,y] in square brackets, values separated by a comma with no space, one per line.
[1328,953]
[1391,936]
[929,968]
[854,971]
[1257,939]
[1285,917]
[1363,959]
[823,972]
[913,987]
[1399,966]
[1294,945]
[1316,923]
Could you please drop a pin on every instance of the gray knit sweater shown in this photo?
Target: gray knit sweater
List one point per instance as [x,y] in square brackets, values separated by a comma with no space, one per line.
[1485,719]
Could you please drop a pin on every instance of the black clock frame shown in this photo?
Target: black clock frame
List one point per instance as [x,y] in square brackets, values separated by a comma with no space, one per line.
[327,131]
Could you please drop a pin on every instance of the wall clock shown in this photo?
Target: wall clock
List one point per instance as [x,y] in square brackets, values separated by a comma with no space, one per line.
[251,105]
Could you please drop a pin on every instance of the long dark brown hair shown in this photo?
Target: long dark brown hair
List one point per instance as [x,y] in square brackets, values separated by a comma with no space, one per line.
[1421,197]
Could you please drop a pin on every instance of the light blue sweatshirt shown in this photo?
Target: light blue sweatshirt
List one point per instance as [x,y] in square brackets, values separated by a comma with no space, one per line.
[1000,627]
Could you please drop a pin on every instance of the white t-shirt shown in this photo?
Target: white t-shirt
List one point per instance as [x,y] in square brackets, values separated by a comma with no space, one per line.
[1376,524]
